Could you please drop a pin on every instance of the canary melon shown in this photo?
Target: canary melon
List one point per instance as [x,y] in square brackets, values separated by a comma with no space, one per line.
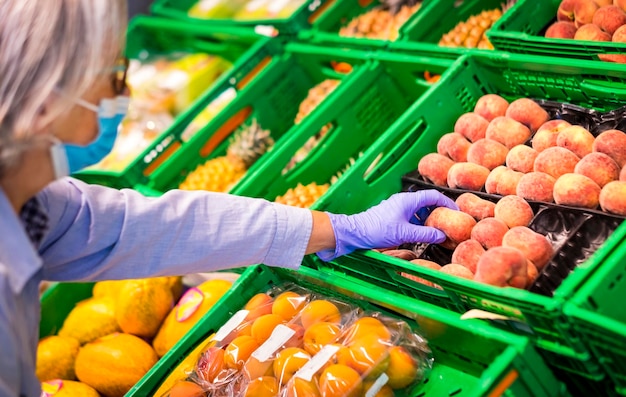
[55,358]
[114,363]
[142,306]
[107,288]
[90,320]
[189,310]
[67,388]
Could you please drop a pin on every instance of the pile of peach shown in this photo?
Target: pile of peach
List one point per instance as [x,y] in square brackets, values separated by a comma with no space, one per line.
[593,20]
[304,344]
[564,163]
[492,242]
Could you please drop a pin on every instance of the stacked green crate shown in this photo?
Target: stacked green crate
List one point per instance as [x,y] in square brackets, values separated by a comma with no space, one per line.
[153,37]
[416,133]
[470,358]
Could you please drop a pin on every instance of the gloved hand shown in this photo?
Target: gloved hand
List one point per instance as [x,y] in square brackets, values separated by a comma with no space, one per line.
[387,224]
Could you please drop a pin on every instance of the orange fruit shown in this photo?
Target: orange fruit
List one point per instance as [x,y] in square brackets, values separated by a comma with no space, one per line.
[288,304]
[239,350]
[254,368]
[319,311]
[244,328]
[340,380]
[384,391]
[299,387]
[211,364]
[320,334]
[263,326]
[266,386]
[288,362]
[297,340]
[368,326]
[370,356]
[187,389]
[402,369]
[258,305]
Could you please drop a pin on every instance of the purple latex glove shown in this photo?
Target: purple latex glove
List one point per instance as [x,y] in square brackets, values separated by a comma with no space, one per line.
[386,224]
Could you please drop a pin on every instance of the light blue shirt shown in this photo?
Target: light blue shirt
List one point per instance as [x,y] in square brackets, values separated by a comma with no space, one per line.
[97,233]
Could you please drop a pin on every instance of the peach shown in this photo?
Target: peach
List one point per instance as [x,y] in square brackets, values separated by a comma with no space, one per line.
[491,106]
[259,305]
[599,167]
[507,131]
[403,368]
[620,3]
[288,362]
[576,190]
[455,269]
[263,326]
[468,176]
[453,145]
[612,143]
[576,139]
[602,3]
[514,211]
[619,36]
[318,311]
[475,206]
[489,232]
[472,126]
[487,152]
[424,263]
[622,175]
[503,267]
[613,198]
[561,30]
[264,386]
[456,225]
[467,254]
[288,304]
[609,18]
[340,380]
[578,11]
[536,186]
[405,254]
[320,334]
[521,158]
[434,167]
[532,273]
[535,247]
[591,32]
[546,135]
[556,161]
[527,112]
[502,181]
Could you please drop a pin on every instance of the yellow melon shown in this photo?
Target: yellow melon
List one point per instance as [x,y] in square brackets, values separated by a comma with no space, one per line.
[189,310]
[142,306]
[68,388]
[90,319]
[55,358]
[113,364]
[107,288]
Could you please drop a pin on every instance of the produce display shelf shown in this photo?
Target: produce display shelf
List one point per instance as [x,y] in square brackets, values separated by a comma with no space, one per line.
[470,358]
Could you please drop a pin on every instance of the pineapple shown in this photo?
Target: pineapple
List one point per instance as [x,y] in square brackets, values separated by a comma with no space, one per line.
[472,33]
[382,22]
[303,196]
[221,173]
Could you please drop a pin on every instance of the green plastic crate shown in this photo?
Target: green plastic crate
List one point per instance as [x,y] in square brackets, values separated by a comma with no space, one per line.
[522,30]
[359,114]
[416,133]
[365,102]
[470,357]
[301,18]
[161,36]
[57,302]
[606,337]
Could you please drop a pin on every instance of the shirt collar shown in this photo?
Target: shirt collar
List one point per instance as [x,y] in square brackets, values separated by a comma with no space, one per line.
[17,253]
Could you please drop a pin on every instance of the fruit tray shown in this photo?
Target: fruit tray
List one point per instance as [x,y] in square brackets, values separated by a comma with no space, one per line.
[300,18]
[416,133]
[373,101]
[523,28]
[470,357]
[605,337]
[286,73]
[158,36]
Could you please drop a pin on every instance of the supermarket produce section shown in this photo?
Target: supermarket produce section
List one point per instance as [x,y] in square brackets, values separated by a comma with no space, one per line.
[515,110]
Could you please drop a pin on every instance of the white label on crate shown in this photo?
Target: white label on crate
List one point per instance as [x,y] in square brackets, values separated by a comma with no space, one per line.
[279,337]
[377,385]
[277,5]
[206,5]
[230,325]
[265,30]
[317,362]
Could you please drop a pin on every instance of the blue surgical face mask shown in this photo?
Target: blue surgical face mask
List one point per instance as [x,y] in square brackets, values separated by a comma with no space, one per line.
[68,158]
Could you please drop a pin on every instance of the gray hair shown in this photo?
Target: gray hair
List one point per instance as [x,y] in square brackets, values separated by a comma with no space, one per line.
[46,46]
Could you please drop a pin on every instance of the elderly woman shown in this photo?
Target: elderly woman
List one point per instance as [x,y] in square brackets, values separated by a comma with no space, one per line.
[62,96]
